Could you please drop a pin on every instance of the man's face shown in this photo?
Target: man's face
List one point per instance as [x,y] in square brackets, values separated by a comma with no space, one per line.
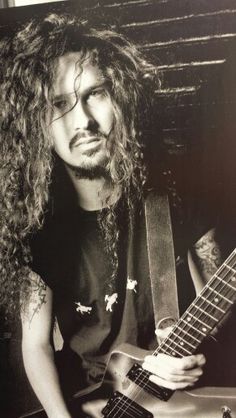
[83,115]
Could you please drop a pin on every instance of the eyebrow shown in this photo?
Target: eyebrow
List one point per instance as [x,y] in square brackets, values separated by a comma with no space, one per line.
[59,97]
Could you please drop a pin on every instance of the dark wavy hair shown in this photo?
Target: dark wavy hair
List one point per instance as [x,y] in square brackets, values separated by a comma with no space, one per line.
[28,65]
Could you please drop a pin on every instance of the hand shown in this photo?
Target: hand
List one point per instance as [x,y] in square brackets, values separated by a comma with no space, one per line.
[93,409]
[174,373]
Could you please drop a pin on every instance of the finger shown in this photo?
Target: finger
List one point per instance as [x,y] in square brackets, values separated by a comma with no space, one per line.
[170,384]
[176,365]
[93,408]
[163,333]
[174,374]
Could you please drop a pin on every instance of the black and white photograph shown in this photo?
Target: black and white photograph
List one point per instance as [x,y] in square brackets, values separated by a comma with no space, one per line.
[118,209]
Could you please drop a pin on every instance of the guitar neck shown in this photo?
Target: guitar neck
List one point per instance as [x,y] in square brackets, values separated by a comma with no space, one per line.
[205,312]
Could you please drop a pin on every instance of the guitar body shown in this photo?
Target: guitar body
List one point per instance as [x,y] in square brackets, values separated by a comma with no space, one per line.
[197,403]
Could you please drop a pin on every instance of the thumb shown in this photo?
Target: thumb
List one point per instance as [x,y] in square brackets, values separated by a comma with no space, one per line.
[162,333]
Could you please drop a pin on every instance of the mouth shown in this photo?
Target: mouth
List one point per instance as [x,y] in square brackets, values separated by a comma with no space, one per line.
[85,141]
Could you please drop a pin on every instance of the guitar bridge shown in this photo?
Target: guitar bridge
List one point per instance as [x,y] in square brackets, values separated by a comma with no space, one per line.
[141,378]
[120,406]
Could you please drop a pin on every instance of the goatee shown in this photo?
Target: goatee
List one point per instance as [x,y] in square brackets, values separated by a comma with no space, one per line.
[90,173]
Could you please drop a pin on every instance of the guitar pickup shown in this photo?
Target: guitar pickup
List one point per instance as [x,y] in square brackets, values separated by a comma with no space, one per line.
[141,378]
[120,405]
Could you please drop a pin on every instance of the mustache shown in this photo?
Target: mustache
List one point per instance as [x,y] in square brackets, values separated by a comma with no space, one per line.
[80,136]
[87,135]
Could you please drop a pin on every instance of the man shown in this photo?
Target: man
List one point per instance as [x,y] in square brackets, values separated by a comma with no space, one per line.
[75,108]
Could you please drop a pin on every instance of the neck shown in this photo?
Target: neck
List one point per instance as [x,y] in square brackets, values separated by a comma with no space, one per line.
[94,194]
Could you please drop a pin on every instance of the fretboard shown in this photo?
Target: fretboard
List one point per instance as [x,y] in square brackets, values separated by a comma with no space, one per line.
[204,313]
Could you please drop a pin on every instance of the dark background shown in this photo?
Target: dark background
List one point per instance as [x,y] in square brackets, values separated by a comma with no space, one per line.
[193,44]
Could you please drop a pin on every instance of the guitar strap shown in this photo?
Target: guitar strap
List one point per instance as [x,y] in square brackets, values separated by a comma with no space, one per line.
[161,260]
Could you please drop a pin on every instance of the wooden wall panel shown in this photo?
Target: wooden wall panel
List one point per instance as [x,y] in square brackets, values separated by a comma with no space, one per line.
[188,40]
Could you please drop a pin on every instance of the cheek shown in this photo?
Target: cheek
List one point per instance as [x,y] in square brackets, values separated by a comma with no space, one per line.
[106,117]
[59,130]
[58,138]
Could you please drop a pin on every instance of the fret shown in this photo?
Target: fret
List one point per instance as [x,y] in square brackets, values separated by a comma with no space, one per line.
[189,318]
[219,294]
[225,272]
[175,351]
[226,283]
[180,341]
[212,304]
[169,350]
[206,313]
[187,333]
[229,267]
[183,340]
[170,340]
[195,329]
[221,287]
[185,349]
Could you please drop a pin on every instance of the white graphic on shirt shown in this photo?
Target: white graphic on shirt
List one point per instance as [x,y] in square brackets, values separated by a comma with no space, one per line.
[110,301]
[131,284]
[83,309]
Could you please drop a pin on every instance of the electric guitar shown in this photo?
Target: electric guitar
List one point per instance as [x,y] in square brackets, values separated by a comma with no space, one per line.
[135,396]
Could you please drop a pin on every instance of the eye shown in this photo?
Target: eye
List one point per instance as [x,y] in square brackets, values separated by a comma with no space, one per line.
[60,104]
[97,93]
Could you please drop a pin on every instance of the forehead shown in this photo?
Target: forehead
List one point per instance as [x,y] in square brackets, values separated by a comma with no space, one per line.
[74,73]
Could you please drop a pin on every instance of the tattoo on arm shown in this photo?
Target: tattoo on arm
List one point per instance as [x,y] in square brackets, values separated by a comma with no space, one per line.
[39,288]
[37,295]
[208,254]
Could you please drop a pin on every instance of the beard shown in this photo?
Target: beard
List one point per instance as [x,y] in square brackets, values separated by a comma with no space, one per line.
[90,173]
[96,164]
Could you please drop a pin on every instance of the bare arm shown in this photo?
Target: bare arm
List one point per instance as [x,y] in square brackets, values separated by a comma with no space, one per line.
[37,351]
[204,259]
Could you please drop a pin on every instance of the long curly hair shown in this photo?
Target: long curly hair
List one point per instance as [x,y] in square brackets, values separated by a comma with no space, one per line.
[28,68]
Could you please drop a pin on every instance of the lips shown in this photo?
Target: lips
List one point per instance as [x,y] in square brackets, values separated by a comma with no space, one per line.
[83,140]
[86,141]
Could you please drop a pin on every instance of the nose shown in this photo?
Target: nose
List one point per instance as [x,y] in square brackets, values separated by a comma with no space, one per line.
[82,117]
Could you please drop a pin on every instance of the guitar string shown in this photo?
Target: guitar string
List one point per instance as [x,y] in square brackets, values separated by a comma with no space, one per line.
[212,280]
[196,322]
[224,284]
[185,326]
[130,406]
[207,292]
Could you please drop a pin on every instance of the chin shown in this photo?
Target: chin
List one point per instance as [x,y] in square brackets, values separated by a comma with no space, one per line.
[90,171]
[90,160]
